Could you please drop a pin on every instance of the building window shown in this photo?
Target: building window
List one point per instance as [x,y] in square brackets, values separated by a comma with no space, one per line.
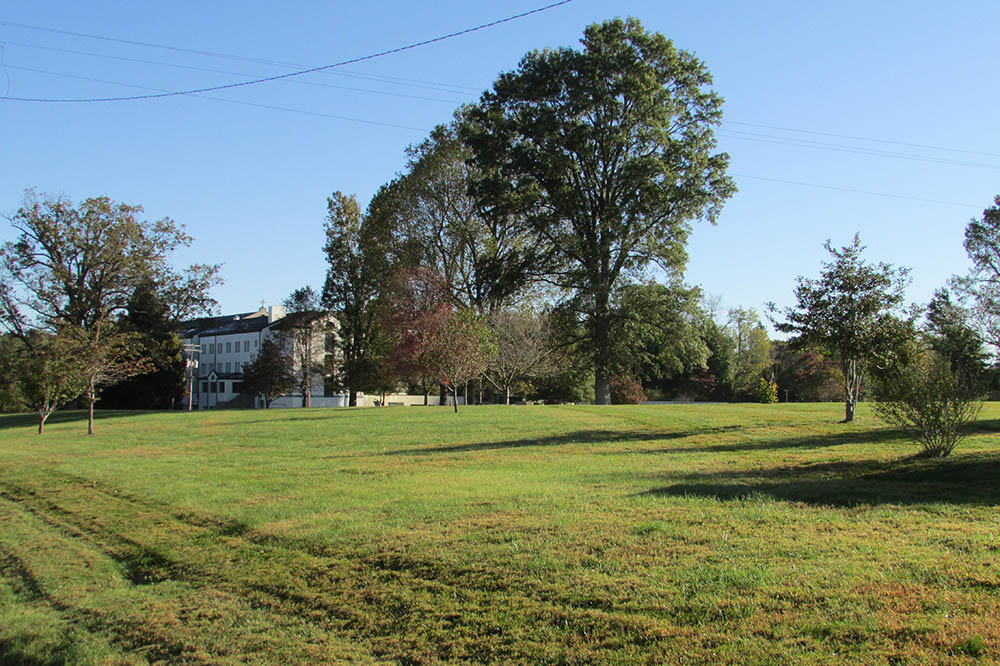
[237,387]
[229,366]
[229,347]
[246,345]
[213,387]
[222,387]
[255,344]
[238,366]
[211,349]
[204,387]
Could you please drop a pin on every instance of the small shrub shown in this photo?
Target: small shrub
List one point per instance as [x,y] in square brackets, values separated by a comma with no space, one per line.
[626,390]
[767,392]
[930,401]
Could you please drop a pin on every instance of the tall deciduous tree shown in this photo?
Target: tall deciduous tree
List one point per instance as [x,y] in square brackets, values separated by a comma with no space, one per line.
[752,354]
[359,253]
[416,309]
[303,325]
[73,269]
[485,260]
[982,284]
[608,154]
[850,311]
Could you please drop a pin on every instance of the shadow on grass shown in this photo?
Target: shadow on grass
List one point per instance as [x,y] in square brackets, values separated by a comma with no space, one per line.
[817,441]
[30,420]
[575,437]
[960,479]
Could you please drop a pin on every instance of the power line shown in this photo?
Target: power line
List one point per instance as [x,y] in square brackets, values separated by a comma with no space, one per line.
[397,80]
[820,145]
[862,138]
[228,101]
[310,70]
[854,191]
[221,71]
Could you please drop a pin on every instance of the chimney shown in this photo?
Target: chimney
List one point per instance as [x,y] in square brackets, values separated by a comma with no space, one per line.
[274,313]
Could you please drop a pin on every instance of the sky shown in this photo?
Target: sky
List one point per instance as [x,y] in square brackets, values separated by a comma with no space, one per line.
[877,118]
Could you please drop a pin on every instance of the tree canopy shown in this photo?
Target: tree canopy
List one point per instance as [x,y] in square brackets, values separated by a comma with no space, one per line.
[607,154]
[853,311]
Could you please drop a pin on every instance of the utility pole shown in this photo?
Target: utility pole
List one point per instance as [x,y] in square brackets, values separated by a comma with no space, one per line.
[192,365]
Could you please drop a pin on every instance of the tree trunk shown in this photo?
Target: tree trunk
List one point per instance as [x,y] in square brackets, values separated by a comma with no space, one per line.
[454,398]
[852,388]
[427,393]
[307,371]
[506,395]
[41,422]
[352,398]
[443,396]
[466,393]
[602,352]
[91,399]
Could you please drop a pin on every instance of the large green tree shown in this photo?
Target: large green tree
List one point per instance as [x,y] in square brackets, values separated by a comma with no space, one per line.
[486,260]
[982,285]
[360,256]
[752,353]
[853,311]
[608,154]
[73,269]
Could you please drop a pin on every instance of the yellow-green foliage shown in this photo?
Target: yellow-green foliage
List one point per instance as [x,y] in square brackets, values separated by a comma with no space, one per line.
[680,534]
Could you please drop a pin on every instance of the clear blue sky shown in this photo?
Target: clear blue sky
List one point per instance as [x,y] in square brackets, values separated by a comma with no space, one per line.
[917,81]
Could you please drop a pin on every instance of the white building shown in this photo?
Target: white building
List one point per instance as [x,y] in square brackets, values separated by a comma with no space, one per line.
[224,345]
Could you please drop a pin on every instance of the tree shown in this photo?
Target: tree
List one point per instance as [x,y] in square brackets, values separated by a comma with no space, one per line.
[485,260]
[949,332]
[150,318]
[606,153]
[523,347]
[49,372]
[358,251]
[300,324]
[269,374]
[752,350]
[416,309]
[850,312]
[104,356]
[77,267]
[982,284]
[656,329]
[12,397]
[458,349]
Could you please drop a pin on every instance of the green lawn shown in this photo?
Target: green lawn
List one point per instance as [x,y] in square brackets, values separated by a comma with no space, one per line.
[717,534]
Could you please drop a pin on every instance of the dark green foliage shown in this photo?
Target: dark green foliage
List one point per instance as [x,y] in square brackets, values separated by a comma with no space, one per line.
[12,398]
[948,332]
[359,254]
[656,331]
[269,375]
[852,313]
[982,284]
[148,316]
[806,375]
[607,154]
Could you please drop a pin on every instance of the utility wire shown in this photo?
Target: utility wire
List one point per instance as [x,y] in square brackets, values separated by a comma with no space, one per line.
[854,191]
[861,138]
[818,145]
[310,70]
[228,101]
[222,71]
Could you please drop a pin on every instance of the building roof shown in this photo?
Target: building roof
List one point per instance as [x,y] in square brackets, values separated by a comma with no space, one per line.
[247,322]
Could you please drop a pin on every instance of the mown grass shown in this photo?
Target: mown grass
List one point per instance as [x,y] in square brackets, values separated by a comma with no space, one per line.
[723,534]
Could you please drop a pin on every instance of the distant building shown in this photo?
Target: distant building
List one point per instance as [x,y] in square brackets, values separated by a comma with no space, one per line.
[225,345]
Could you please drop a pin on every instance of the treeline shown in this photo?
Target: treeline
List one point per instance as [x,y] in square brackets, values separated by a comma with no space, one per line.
[533,247]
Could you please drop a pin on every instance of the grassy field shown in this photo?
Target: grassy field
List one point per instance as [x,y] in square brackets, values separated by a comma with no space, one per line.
[721,534]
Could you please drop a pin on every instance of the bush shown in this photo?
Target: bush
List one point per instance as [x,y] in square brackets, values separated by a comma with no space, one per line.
[626,391]
[930,401]
[767,392]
